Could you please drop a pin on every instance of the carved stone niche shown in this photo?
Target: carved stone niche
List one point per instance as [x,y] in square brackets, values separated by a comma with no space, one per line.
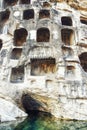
[83,61]
[28,14]
[16,53]
[70,70]
[67,36]
[10,2]
[4,16]
[43,35]
[25,1]
[17,75]
[66,21]
[20,36]
[44,14]
[43,66]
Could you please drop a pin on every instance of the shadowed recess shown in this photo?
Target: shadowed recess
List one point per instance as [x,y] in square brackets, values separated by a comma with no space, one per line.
[16,53]
[83,61]
[67,36]
[28,14]
[4,15]
[43,66]
[17,75]
[1,44]
[43,35]
[44,14]
[20,36]
[66,21]
[10,2]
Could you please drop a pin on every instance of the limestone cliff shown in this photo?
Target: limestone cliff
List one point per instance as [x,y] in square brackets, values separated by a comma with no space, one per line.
[43,57]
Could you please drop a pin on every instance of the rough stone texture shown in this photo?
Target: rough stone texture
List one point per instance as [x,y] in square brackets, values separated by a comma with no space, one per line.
[60,85]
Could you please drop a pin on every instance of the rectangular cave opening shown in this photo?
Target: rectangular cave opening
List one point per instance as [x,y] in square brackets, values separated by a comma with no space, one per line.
[16,53]
[4,16]
[66,21]
[44,14]
[43,35]
[28,14]
[67,36]
[41,67]
[20,36]
[17,75]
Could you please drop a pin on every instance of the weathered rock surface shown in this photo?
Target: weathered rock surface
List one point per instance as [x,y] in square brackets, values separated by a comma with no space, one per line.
[9,110]
[43,64]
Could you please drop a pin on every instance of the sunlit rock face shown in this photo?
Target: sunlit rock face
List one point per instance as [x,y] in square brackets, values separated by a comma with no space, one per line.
[43,55]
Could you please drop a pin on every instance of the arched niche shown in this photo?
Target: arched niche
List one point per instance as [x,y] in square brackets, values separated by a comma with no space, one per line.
[16,53]
[10,2]
[43,35]
[17,75]
[44,14]
[83,61]
[20,36]
[67,36]
[25,1]
[66,21]
[43,66]
[28,14]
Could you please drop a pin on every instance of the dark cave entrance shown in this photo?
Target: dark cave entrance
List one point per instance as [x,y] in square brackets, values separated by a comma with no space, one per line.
[43,35]
[28,14]
[83,61]
[17,75]
[66,21]
[20,36]
[67,36]
[44,14]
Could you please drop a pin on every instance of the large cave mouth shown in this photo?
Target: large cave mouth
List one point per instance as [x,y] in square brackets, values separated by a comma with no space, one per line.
[40,67]
[67,36]
[25,1]
[10,2]
[44,14]
[33,106]
[83,61]
[28,14]
[30,104]
[66,21]
[20,36]
[43,35]
[17,75]
[16,53]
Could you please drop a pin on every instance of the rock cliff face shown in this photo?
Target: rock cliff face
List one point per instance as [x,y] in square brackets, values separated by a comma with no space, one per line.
[43,57]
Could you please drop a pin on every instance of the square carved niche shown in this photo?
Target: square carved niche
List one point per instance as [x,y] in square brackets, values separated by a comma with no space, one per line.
[17,75]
